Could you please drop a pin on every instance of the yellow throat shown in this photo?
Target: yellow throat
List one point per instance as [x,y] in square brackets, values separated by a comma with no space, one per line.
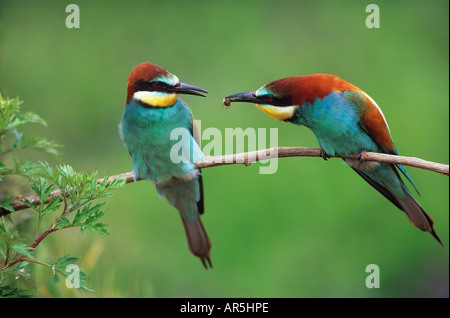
[157,99]
[280,113]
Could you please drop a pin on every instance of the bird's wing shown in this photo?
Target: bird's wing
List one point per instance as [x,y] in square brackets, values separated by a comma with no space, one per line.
[372,120]
[374,123]
[195,134]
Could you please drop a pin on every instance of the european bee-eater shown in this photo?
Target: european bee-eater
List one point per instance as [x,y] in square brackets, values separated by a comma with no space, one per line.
[345,121]
[153,110]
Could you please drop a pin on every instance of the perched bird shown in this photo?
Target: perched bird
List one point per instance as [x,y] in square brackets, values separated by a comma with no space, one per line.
[152,112]
[345,121]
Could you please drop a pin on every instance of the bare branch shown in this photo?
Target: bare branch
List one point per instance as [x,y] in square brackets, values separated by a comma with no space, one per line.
[277,152]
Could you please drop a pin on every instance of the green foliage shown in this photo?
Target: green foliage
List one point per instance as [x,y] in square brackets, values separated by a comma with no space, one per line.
[62,266]
[9,291]
[11,118]
[62,194]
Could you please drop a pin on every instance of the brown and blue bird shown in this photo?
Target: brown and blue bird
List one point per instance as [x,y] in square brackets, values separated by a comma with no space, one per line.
[152,113]
[345,121]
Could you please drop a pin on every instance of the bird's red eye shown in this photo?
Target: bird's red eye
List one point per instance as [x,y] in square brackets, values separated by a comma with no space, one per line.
[269,98]
[157,84]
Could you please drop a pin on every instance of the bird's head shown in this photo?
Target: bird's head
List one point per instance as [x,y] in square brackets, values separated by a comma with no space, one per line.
[274,98]
[279,99]
[153,86]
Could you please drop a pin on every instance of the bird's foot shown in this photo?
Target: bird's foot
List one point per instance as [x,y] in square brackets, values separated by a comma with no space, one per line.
[324,155]
[362,156]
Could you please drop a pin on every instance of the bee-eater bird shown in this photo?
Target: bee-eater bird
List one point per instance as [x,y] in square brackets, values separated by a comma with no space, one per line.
[153,110]
[345,121]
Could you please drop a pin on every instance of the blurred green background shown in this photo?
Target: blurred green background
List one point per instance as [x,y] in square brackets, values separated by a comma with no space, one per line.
[308,230]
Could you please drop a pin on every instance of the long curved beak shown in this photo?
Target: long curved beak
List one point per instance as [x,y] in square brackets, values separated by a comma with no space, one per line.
[183,88]
[248,97]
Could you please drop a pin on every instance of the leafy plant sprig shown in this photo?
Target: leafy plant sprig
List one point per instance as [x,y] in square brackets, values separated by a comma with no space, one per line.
[75,206]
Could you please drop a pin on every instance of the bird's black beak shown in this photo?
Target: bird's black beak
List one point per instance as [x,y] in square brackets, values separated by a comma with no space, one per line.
[248,97]
[183,88]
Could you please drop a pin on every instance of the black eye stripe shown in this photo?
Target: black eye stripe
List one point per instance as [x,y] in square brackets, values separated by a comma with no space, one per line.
[275,101]
[151,86]
[159,84]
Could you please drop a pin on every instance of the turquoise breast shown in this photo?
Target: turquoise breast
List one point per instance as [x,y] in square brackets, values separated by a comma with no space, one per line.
[150,135]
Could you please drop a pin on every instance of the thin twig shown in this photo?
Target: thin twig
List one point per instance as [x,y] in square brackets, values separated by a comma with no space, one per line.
[277,152]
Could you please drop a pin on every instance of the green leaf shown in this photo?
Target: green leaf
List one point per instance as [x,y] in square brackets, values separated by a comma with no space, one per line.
[66,172]
[26,168]
[38,143]
[3,226]
[56,279]
[24,118]
[4,169]
[46,171]
[7,203]
[12,117]
[22,249]
[52,206]
[87,212]
[62,262]
[117,183]
[97,227]
[29,203]
[90,215]
[65,266]
[5,233]
[9,291]
[62,222]
[93,217]
[43,190]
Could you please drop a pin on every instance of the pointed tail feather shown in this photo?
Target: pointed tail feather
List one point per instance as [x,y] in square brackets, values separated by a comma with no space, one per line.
[416,215]
[187,198]
[198,240]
